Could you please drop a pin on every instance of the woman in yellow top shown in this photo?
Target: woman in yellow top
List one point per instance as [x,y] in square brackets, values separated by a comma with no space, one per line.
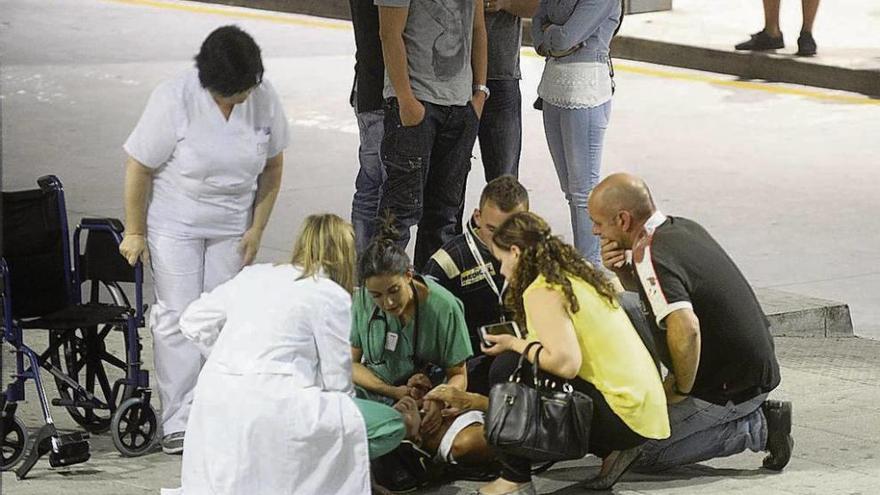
[572,310]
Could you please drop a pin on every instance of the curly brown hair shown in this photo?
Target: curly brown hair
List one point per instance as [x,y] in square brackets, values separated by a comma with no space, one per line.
[545,254]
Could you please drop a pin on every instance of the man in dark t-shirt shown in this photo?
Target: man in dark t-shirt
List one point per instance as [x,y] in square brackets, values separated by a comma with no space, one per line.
[719,351]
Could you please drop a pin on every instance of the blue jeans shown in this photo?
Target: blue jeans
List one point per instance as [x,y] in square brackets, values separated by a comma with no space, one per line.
[501,129]
[702,431]
[427,166]
[370,177]
[575,139]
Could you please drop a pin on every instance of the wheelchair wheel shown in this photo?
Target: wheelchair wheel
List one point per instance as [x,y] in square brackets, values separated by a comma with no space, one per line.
[89,356]
[134,427]
[15,438]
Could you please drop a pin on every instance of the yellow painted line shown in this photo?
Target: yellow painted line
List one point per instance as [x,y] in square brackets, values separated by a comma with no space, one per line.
[644,71]
[236,13]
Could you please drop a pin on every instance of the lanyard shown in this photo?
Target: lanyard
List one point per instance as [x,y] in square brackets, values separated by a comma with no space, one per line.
[475,252]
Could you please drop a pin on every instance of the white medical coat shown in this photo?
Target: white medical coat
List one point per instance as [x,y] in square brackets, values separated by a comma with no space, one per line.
[273,411]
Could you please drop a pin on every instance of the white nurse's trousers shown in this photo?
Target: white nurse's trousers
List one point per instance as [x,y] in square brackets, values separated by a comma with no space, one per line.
[182,270]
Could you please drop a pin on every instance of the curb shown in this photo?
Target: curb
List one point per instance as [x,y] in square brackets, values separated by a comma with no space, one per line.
[749,65]
[333,9]
[794,315]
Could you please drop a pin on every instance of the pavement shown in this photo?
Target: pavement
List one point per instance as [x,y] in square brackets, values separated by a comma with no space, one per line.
[833,383]
[784,176]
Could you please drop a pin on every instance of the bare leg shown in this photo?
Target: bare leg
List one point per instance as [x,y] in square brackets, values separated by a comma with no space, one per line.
[470,447]
[810,7]
[771,17]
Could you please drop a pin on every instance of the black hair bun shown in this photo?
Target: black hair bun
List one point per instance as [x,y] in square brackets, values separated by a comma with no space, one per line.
[387,233]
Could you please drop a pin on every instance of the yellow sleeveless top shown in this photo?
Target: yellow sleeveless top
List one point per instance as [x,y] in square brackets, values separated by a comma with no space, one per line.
[614,359]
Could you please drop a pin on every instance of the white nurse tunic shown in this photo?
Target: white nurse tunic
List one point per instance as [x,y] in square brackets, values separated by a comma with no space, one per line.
[206,167]
[205,171]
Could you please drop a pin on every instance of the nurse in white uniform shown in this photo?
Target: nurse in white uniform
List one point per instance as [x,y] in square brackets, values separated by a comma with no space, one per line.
[274,409]
[203,171]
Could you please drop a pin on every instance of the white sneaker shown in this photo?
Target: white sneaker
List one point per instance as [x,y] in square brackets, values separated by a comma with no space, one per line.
[173,443]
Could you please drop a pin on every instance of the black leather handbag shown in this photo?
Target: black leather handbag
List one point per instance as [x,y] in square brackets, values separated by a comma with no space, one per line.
[538,421]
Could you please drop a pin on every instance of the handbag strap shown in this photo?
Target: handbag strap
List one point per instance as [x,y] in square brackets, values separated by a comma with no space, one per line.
[522,358]
[536,368]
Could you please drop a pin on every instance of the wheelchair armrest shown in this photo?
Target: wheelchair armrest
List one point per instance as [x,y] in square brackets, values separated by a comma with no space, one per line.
[49,183]
[112,224]
[112,267]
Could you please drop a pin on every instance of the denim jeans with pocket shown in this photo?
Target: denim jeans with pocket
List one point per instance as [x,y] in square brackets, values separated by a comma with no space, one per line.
[370,177]
[427,167]
[575,137]
[501,129]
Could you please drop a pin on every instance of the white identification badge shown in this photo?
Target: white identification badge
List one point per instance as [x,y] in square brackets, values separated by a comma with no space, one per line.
[391,341]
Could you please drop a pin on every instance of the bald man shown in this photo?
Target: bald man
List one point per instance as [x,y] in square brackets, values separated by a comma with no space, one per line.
[719,351]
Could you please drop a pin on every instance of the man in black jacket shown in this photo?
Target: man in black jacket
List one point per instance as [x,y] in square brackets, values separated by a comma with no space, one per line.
[465,266]
[720,355]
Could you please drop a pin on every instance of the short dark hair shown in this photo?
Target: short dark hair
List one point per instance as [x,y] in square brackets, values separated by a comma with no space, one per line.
[229,61]
[506,192]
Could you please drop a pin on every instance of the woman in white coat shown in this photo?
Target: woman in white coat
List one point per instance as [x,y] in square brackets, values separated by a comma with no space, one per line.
[273,411]
[203,171]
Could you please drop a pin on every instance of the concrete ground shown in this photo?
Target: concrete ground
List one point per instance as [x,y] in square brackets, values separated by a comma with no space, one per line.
[832,382]
[784,176]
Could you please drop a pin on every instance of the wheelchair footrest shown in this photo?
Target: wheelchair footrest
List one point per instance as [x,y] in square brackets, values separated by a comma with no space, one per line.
[85,404]
[71,448]
[63,450]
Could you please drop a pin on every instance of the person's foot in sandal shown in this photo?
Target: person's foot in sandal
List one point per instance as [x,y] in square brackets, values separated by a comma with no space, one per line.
[613,467]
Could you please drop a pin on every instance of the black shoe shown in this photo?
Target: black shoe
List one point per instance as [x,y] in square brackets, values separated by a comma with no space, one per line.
[389,473]
[761,41]
[779,440]
[489,472]
[620,465]
[806,45]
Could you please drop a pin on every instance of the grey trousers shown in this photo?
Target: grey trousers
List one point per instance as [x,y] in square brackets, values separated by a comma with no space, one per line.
[702,431]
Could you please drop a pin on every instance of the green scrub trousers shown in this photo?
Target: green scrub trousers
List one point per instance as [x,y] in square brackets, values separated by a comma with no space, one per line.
[385,428]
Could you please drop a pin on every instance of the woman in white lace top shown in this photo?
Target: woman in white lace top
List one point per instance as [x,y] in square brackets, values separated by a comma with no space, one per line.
[576,90]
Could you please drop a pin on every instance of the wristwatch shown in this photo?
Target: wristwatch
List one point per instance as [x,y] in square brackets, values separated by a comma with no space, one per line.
[483,88]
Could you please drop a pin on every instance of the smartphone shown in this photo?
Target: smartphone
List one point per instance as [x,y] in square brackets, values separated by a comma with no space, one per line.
[505,327]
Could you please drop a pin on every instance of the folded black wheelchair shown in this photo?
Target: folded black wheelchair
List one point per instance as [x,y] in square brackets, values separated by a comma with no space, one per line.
[70,299]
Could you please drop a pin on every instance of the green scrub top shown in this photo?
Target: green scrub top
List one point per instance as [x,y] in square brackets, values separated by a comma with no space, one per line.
[443,337]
